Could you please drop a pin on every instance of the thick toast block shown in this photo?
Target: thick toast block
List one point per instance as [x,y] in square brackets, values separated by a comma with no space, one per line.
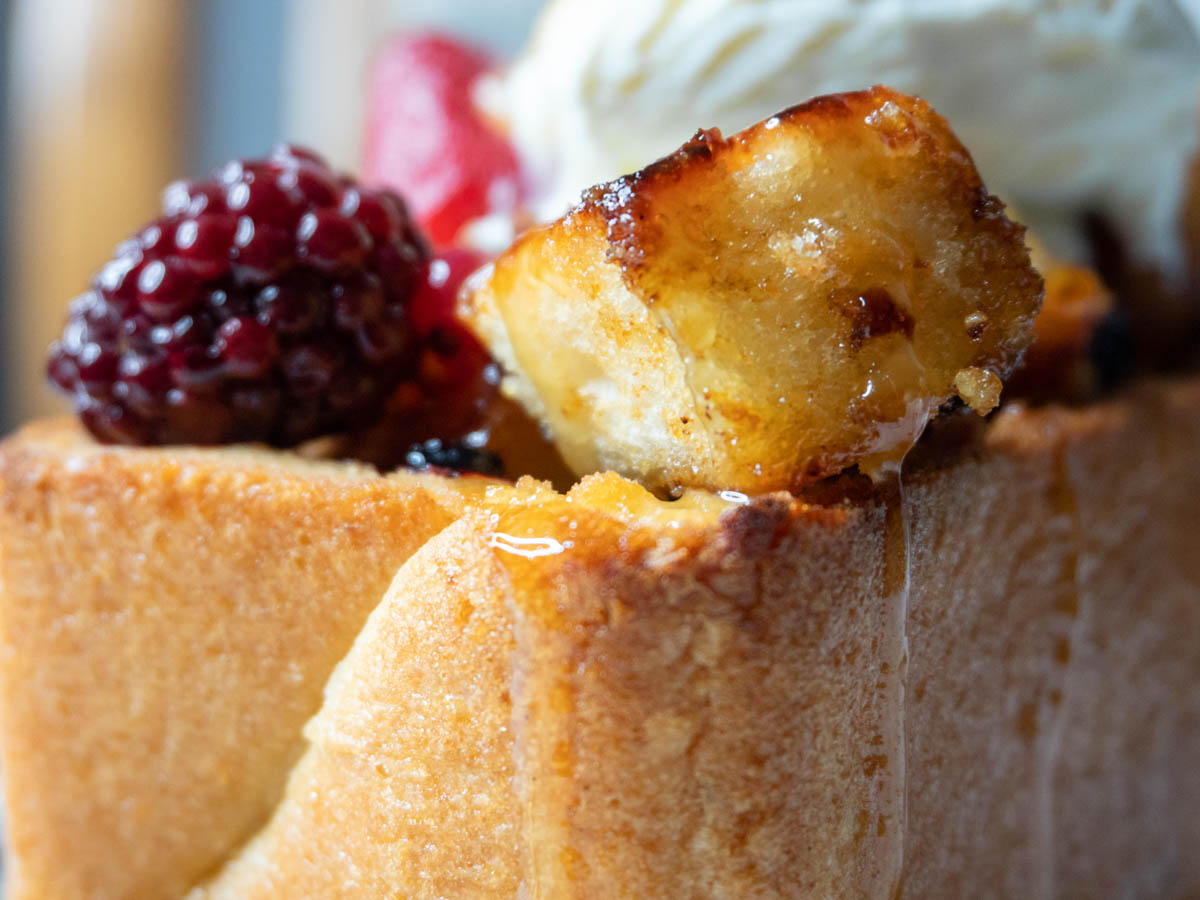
[606,695]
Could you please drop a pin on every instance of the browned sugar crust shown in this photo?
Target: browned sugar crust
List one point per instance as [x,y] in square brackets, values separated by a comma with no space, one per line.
[759,311]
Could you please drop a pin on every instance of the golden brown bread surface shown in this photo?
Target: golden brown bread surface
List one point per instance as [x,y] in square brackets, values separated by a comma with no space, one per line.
[698,699]
[609,719]
[169,621]
[1052,710]
[754,311]
[723,718]
[370,809]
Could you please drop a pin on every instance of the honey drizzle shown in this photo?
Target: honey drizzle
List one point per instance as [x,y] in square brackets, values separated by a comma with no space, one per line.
[1065,507]
[897,579]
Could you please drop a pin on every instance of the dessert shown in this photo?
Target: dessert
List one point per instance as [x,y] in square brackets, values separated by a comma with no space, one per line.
[719,681]
[239,672]
[756,312]
[716,708]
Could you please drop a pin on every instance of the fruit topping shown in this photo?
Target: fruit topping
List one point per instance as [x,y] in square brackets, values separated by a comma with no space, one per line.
[271,302]
[454,379]
[426,139]
[467,455]
[755,312]
[451,393]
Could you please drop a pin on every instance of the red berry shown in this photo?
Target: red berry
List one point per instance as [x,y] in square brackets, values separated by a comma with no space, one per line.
[118,279]
[382,340]
[247,347]
[425,138]
[261,306]
[331,241]
[206,241]
[113,422]
[143,382]
[444,275]
[307,180]
[167,289]
[61,367]
[310,370]
[358,301]
[258,195]
[455,381]
[154,237]
[205,237]
[97,365]
[190,198]
[260,249]
[294,305]
[290,154]
[382,213]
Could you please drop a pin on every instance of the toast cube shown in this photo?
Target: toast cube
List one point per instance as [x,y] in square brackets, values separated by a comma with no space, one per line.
[755,312]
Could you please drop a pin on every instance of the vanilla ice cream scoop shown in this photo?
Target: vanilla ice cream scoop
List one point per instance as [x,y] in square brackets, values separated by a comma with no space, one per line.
[1068,106]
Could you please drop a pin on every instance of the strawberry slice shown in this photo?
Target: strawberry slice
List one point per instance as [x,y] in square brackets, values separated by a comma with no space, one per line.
[425,138]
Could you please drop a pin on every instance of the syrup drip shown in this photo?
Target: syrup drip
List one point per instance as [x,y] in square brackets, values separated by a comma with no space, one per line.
[897,576]
[889,793]
[1063,503]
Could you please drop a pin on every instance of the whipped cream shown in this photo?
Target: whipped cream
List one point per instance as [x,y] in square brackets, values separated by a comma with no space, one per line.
[1066,105]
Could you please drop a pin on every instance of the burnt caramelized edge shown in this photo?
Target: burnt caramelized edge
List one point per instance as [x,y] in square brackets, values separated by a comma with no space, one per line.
[623,206]
[620,205]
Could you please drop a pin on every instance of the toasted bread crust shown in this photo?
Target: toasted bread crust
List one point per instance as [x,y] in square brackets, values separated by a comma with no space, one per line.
[623,696]
[169,620]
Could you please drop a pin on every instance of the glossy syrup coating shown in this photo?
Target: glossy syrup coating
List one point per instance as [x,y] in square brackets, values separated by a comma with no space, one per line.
[270,302]
[758,311]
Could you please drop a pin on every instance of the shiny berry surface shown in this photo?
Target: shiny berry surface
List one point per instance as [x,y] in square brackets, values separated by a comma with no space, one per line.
[467,455]
[272,302]
[454,380]
[426,137]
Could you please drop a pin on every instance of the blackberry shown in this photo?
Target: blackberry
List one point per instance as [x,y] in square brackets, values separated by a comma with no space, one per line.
[268,303]
[468,455]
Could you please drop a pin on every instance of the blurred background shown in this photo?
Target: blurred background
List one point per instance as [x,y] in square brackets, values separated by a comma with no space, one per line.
[103,102]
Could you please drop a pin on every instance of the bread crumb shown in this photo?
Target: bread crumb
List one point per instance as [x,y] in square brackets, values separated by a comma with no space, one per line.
[979,388]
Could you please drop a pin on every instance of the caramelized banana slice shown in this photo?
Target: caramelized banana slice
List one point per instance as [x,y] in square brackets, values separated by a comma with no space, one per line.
[756,311]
